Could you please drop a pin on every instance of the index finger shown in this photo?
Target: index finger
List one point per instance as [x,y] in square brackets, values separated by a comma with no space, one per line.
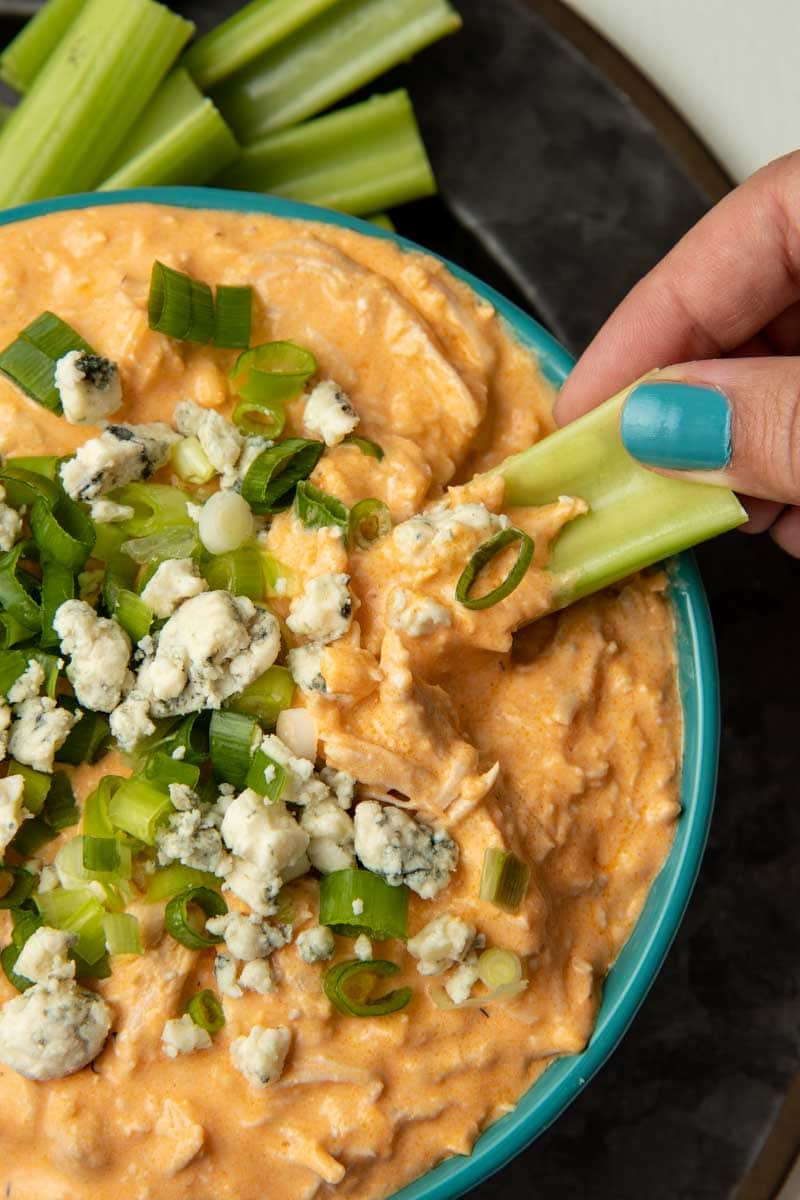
[731,274]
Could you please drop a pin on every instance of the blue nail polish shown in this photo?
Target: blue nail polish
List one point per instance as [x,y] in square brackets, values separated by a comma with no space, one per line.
[677,426]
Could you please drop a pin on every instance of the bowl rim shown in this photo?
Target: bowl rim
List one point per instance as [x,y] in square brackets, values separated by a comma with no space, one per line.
[641,958]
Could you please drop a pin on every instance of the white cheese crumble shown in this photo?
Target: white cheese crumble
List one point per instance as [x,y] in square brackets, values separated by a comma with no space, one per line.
[12,812]
[391,843]
[89,387]
[441,523]
[462,981]
[253,446]
[303,786]
[442,942]
[27,685]
[130,722]
[120,454]
[248,937]
[225,971]
[182,1036]
[316,944]
[45,956]
[332,836]
[305,666]
[189,837]
[10,523]
[324,611]
[108,512]
[362,948]
[329,413]
[342,785]
[5,724]
[220,439]
[99,651]
[52,1030]
[39,730]
[417,616]
[357,907]
[269,843]
[261,1055]
[212,646]
[256,976]
[175,580]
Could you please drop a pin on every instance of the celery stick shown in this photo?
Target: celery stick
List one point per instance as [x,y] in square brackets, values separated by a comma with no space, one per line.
[636,517]
[250,32]
[345,47]
[359,159]
[87,98]
[180,138]
[23,58]
[383,221]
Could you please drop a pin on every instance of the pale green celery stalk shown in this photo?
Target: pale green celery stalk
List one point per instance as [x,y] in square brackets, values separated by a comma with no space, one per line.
[248,33]
[383,221]
[359,159]
[344,48]
[180,138]
[5,113]
[87,98]
[635,517]
[23,59]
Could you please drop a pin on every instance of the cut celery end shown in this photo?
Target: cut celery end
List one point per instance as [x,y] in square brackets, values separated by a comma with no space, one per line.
[23,59]
[248,33]
[635,517]
[347,46]
[383,221]
[180,138]
[359,159]
[87,98]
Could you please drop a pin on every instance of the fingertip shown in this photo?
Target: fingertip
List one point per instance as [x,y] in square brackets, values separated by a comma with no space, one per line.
[786,532]
[761,514]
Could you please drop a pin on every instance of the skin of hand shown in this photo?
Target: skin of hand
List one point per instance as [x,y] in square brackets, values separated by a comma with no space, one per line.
[724,305]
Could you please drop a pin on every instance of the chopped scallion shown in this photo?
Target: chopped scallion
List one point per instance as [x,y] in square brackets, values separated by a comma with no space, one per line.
[499,968]
[172,880]
[239,571]
[86,740]
[190,461]
[206,1011]
[8,960]
[179,306]
[344,985]
[317,509]
[100,854]
[234,316]
[60,810]
[504,879]
[30,361]
[180,923]
[123,933]
[269,485]
[18,884]
[19,589]
[163,769]
[138,808]
[175,541]
[36,785]
[266,696]
[63,531]
[58,585]
[370,520]
[96,818]
[370,449]
[483,555]
[266,777]
[78,911]
[232,738]
[156,506]
[354,902]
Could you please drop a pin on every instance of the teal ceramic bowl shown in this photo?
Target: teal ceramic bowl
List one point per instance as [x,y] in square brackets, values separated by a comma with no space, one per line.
[638,964]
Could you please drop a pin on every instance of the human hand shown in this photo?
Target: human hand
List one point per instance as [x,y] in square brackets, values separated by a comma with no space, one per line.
[725,305]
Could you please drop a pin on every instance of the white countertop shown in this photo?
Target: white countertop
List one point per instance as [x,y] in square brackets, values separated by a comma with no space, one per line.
[729,66]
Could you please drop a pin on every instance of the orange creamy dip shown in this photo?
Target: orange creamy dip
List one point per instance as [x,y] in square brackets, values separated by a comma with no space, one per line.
[580,710]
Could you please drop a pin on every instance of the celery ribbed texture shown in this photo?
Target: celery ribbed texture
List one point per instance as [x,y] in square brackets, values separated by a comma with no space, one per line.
[359,159]
[346,47]
[87,98]
[248,33]
[635,518]
[23,59]
[180,138]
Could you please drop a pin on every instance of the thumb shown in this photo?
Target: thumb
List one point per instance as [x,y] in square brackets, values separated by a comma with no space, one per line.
[734,422]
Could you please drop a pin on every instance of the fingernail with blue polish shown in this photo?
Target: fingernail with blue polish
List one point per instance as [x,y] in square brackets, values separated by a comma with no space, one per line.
[677,426]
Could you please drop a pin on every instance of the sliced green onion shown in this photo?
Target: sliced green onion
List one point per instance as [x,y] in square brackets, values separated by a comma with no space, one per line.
[279,579]
[11,632]
[269,485]
[100,854]
[275,372]
[156,506]
[248,33]
[54,337]
[75,910]
[179,541]
[123,933]
[45,465]
[172,880]
[14,663]
[178,919]
[190,461]
[361,156]
[483,555]
[8,960]
[24,485]
[635,517]
[180,306]
[240,572]
[19,589]
[369,520]
[181,137]
[36,785]
[347,985]
[22,59]
[138,808]
[504,879]
[63,532]
[58,586]
[31,836]
[163,769]
[108,539]
[499,968]
[316,508]
[87,97]
[206,1011]
[20,884]
[265,697]
[370,449]
[344,48]
[86,741]
[384,909]
[96,819]
[189,738]
[261,766]
[101,969]
[232,737]
[26,921]
[260,418]
[60,810]
[234,315]
[30,361]
[133,614]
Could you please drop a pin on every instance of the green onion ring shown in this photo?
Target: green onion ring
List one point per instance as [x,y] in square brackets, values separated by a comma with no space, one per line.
[24,486]
[384,908]
[483,555]
[179,306]
[232,736]
[234,316]
[335,983]
[8,960]
[369,520]
[269,485]
[316,508]
[20,889]
[58,585]
[19,589]
[206,1011]
[178,924]
[275,372]
[260,418]
[367,447]
[100,854]
[504,879]
[63,531]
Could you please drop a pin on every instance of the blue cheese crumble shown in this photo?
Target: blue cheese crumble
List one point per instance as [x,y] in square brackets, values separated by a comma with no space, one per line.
[391,843]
